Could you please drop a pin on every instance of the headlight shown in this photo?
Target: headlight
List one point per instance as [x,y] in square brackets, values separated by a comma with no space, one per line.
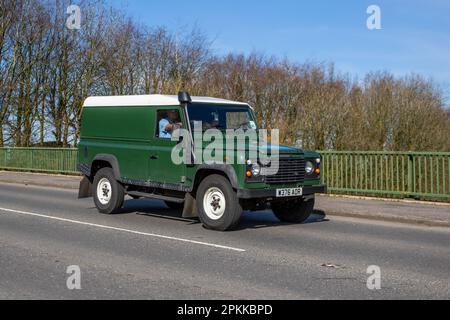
[256,170]
[309,167]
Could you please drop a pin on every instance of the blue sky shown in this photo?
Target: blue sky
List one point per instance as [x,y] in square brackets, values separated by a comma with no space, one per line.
[415,35]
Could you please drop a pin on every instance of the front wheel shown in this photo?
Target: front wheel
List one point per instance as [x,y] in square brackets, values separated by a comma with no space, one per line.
[295,211]
[109,194]
[218,204]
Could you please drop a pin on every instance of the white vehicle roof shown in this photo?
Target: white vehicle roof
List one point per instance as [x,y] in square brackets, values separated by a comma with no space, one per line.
[149,100]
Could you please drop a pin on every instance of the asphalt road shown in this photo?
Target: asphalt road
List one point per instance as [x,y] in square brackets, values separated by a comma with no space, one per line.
[149,253]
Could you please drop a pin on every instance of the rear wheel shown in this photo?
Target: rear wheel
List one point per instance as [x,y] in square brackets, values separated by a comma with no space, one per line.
[109,194]
[296,211]
[218,204]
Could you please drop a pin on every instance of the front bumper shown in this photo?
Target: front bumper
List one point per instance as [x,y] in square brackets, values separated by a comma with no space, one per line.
[272,193]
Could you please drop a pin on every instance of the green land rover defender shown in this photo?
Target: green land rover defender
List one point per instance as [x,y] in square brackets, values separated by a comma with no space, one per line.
[126,148]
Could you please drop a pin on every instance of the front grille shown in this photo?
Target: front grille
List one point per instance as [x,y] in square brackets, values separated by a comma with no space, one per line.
[290,170]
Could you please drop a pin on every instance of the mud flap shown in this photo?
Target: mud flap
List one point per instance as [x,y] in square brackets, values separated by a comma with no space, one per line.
[85,190]
[190,207]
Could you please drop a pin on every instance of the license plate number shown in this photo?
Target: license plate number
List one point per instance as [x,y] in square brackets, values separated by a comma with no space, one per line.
[293,192]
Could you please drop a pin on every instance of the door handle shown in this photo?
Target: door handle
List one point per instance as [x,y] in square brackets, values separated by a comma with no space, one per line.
[154,157]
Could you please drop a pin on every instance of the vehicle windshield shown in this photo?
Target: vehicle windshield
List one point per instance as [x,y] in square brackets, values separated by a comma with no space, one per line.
[222,117]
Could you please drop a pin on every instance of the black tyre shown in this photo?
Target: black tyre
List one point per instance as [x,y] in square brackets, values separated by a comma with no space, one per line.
[174,205]
[296,211]
[109,194]
[218,204]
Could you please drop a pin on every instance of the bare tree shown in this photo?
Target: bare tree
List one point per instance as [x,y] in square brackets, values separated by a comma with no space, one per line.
[47,71]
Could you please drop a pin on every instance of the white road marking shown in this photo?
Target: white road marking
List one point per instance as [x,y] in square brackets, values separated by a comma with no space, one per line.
[122,230]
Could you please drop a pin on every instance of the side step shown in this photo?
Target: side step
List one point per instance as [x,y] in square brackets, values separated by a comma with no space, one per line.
[155,196]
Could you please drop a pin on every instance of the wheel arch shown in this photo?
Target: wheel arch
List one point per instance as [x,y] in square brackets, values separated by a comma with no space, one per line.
[105,161]
[206,170]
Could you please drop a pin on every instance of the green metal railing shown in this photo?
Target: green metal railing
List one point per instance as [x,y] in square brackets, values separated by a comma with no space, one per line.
[51,160]
[398,174]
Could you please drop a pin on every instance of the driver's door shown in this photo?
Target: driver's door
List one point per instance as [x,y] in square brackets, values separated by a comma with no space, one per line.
[161,167]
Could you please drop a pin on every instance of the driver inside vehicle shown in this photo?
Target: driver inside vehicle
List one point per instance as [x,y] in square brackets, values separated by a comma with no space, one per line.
[169,124]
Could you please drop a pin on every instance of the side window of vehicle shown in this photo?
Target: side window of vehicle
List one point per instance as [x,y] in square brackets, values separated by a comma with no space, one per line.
[167,122]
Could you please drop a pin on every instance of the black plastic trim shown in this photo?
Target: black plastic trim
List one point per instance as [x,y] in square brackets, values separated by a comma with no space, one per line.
[157,185]
[225,168]
[155,196]
[112,160]
[85,169]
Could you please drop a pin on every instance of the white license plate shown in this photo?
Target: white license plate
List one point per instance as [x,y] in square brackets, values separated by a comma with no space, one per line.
[293,192]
